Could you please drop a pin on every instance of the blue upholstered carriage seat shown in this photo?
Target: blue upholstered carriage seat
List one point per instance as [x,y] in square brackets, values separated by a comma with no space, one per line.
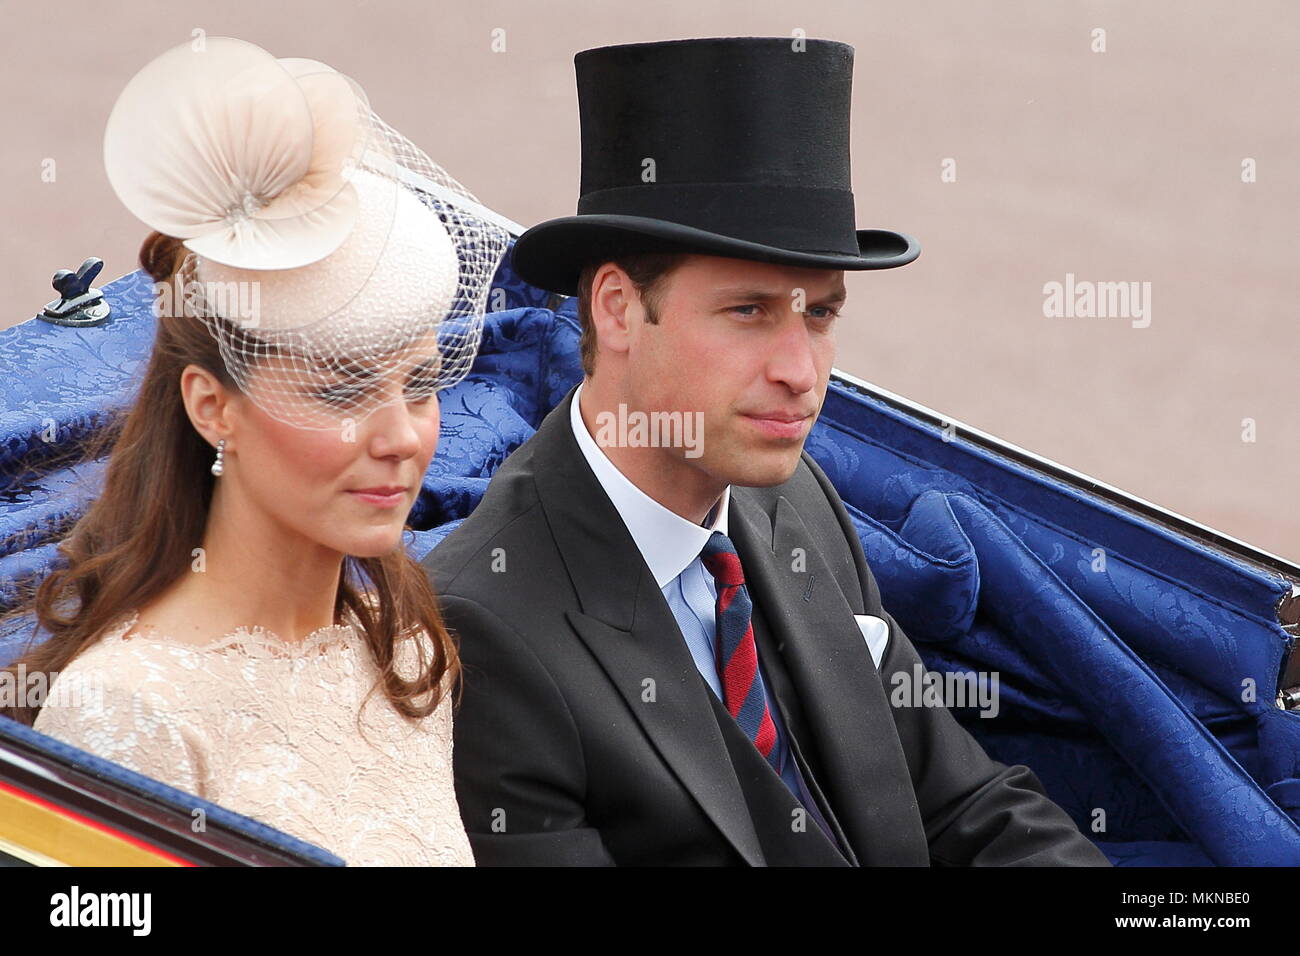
[1121,649]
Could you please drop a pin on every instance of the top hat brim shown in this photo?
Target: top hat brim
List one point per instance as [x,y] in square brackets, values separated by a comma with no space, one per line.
[551,254]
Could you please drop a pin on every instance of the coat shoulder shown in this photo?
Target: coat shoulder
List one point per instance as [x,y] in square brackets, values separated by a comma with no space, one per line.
[508,523]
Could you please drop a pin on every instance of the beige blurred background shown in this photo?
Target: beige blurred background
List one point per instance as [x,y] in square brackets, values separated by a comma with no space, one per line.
[1116,166]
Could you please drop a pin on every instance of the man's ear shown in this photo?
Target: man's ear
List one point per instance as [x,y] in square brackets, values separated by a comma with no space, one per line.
[612,293]
[211,406]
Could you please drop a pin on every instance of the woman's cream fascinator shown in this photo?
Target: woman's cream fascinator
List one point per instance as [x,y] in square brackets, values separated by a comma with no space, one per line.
[338,267]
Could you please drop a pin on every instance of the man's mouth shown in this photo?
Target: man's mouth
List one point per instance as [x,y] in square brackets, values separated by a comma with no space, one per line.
[778,423]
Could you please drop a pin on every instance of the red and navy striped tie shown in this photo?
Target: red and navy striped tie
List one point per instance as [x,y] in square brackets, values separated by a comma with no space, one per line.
[737,656]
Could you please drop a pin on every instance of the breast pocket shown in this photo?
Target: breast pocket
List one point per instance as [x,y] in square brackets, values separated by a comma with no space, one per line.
[875,631]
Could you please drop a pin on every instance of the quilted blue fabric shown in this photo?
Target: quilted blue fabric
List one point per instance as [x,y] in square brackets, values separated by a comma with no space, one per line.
[1122,649]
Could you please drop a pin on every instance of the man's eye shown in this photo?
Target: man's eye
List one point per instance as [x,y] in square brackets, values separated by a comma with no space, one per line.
[737,309]
[827,313]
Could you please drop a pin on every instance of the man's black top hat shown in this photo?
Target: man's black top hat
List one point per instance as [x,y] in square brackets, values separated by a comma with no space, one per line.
[729,146]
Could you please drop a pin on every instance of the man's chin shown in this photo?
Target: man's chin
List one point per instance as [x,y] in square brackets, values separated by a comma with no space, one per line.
[764,471]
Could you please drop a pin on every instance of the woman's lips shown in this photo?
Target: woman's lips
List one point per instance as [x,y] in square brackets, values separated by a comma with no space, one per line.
[381,497]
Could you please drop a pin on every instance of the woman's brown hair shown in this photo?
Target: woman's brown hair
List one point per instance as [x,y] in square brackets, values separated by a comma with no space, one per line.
[137,538]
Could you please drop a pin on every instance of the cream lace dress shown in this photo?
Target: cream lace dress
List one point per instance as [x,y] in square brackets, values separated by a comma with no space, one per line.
[269,729]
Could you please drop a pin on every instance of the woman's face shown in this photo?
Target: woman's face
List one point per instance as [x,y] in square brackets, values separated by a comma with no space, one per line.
[348,488]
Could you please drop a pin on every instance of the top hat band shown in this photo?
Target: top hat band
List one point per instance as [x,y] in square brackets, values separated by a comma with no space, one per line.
[812,219]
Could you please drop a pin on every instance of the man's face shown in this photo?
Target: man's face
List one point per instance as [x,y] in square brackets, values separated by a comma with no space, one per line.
[749,346]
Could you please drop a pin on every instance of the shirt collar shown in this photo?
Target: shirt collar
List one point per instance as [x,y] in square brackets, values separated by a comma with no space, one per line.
[668,542]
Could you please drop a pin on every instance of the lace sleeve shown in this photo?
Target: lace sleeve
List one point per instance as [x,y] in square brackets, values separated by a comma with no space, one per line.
[123,716]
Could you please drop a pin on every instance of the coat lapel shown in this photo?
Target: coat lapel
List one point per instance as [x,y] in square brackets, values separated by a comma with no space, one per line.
[626,624]
[679,720]
[843,698]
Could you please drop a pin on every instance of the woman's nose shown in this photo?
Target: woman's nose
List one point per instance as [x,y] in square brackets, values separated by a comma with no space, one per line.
[392,431]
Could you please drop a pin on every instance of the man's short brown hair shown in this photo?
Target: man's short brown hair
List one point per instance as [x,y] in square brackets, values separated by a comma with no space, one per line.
[647,270]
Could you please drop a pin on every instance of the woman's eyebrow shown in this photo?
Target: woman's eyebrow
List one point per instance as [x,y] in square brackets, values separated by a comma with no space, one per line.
[352,372]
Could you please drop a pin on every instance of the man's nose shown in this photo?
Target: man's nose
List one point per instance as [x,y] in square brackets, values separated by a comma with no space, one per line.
[793,361]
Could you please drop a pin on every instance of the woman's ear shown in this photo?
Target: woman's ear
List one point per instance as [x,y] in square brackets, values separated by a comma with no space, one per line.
[210,406]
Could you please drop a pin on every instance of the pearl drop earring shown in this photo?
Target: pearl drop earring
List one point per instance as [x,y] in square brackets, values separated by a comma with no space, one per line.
[217,466]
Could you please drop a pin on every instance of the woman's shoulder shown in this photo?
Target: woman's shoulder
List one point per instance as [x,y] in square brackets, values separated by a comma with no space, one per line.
[152,672]
[184,666]
[113,654]
[132,636]
[129,703]
[199,680]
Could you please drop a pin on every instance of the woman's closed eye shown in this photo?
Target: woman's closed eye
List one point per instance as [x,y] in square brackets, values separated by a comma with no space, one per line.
[419,390]
[342,395]
[421,383]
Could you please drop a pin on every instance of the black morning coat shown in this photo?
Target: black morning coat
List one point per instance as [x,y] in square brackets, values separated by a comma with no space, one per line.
[586,735]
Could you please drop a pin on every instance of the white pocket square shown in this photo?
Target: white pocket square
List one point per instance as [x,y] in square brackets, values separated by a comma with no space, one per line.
[875,631]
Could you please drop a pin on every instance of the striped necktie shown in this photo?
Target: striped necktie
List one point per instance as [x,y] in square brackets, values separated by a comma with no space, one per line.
[737,656]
